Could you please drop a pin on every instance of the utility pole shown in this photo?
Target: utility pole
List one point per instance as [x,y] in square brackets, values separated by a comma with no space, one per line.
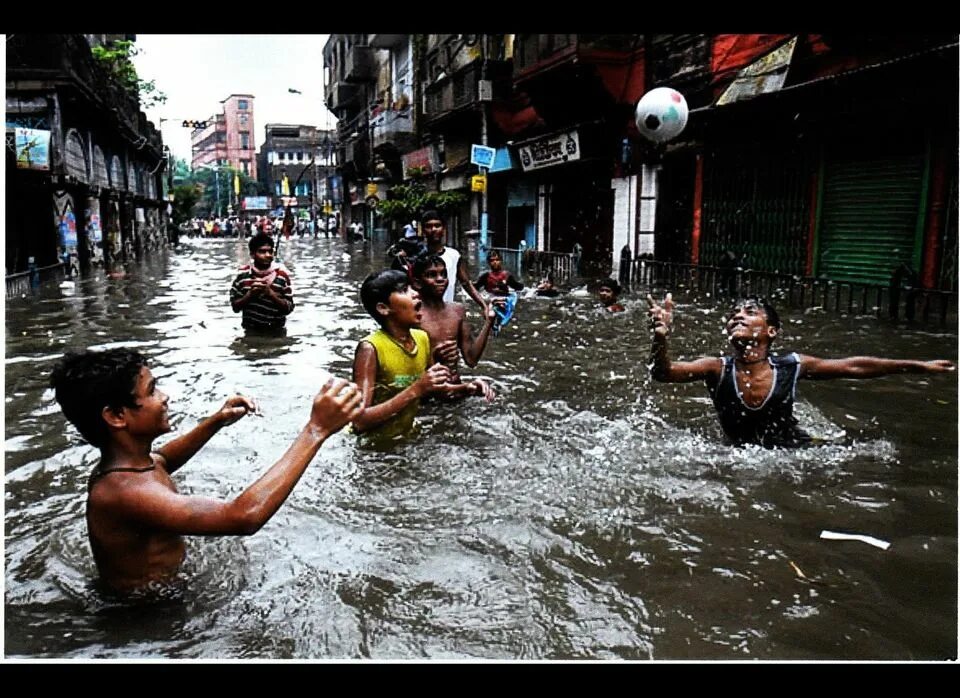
[483,134]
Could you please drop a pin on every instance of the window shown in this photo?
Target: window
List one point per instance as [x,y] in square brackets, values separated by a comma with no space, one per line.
[242,105]
[243,119]
[244,140]
[245,165]
[300,156]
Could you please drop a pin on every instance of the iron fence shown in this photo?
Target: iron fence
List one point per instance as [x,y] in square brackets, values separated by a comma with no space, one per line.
[893,300]
[25,282]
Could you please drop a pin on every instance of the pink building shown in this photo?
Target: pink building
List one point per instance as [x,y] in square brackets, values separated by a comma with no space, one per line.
[228,137]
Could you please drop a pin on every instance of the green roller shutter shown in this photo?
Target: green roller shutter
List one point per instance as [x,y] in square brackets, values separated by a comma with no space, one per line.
[870,215]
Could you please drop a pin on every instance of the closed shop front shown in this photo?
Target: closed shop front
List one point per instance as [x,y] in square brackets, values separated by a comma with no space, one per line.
[871,212]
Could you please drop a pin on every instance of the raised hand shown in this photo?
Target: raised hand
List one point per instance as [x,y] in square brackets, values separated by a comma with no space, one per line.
[336,405]
[661,316]
[236,407]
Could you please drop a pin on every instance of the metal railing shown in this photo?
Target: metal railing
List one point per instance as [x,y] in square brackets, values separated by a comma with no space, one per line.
[536,264]
[25,282]
[893,301]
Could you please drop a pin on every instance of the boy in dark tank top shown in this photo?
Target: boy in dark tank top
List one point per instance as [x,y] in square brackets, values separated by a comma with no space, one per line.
[752,390]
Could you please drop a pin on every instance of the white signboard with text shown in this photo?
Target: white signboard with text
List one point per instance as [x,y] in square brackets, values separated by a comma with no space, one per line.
[551,150]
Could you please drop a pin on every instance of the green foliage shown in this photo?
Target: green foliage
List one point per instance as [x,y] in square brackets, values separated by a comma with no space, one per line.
[185,197]
[406,202]
[115,59]
[206,182]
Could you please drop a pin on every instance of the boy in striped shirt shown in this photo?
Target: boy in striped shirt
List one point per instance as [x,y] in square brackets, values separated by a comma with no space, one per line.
[262,289]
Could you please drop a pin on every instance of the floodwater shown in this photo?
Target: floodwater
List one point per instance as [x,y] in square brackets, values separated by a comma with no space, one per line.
[588,513]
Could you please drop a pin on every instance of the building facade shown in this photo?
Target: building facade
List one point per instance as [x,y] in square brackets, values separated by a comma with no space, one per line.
[817,155]
[84,166]
[306,157]
[228,137]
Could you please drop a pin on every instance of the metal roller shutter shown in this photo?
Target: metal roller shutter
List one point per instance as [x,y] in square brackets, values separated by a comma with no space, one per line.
[870,216]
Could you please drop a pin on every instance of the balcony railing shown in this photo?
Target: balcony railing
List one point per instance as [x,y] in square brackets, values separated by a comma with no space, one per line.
[391,125]
[457,91]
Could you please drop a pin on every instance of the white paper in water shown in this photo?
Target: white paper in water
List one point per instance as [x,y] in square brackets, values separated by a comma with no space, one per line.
[870,540]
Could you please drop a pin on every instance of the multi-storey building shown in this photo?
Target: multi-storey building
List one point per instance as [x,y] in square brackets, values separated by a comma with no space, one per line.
[84,166]
[228,137]
[305,155]
[803,154]
[351,66]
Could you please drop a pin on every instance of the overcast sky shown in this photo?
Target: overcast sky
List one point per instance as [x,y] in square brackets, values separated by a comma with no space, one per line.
[198,71]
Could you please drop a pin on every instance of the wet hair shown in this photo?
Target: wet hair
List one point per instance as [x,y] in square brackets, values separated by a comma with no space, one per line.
[424,261]
[378,287]
[259,240]
[432,215]
[86,382]
[494,253]
[773,317]
[609,283]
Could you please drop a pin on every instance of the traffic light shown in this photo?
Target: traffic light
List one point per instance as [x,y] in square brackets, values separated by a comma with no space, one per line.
[187,123]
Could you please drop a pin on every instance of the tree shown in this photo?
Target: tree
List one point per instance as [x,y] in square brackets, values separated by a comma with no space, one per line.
[115,59]
[185,197]
[405,202]
[206,179]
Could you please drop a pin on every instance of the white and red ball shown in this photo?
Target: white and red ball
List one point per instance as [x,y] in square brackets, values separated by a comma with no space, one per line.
[661,114]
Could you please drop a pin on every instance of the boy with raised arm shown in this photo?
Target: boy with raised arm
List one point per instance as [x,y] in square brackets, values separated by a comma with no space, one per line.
[136,519]
[435,235]
[447,327]
[753,391]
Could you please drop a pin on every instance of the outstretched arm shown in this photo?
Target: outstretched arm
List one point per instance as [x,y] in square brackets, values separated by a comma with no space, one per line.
[476,387]
[663,369]
[867,367]
[159,507]
[463,275]
[472,347]
[365,376]
[177,452]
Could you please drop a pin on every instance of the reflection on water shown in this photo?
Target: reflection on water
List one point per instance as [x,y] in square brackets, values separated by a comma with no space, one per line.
[587,513]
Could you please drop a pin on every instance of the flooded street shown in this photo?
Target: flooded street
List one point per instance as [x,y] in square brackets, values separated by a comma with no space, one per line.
[587,513]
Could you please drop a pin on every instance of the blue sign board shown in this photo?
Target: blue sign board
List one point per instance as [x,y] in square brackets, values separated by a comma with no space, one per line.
[482,155]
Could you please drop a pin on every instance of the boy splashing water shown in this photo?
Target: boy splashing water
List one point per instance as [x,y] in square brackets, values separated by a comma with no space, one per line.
[752,390]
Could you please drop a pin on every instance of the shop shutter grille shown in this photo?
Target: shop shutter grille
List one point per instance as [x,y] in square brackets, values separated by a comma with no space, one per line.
[869,217]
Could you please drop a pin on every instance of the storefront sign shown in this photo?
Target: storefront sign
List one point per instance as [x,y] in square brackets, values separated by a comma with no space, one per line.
[423,160]
[548,151]
[478,183]
[256,203]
